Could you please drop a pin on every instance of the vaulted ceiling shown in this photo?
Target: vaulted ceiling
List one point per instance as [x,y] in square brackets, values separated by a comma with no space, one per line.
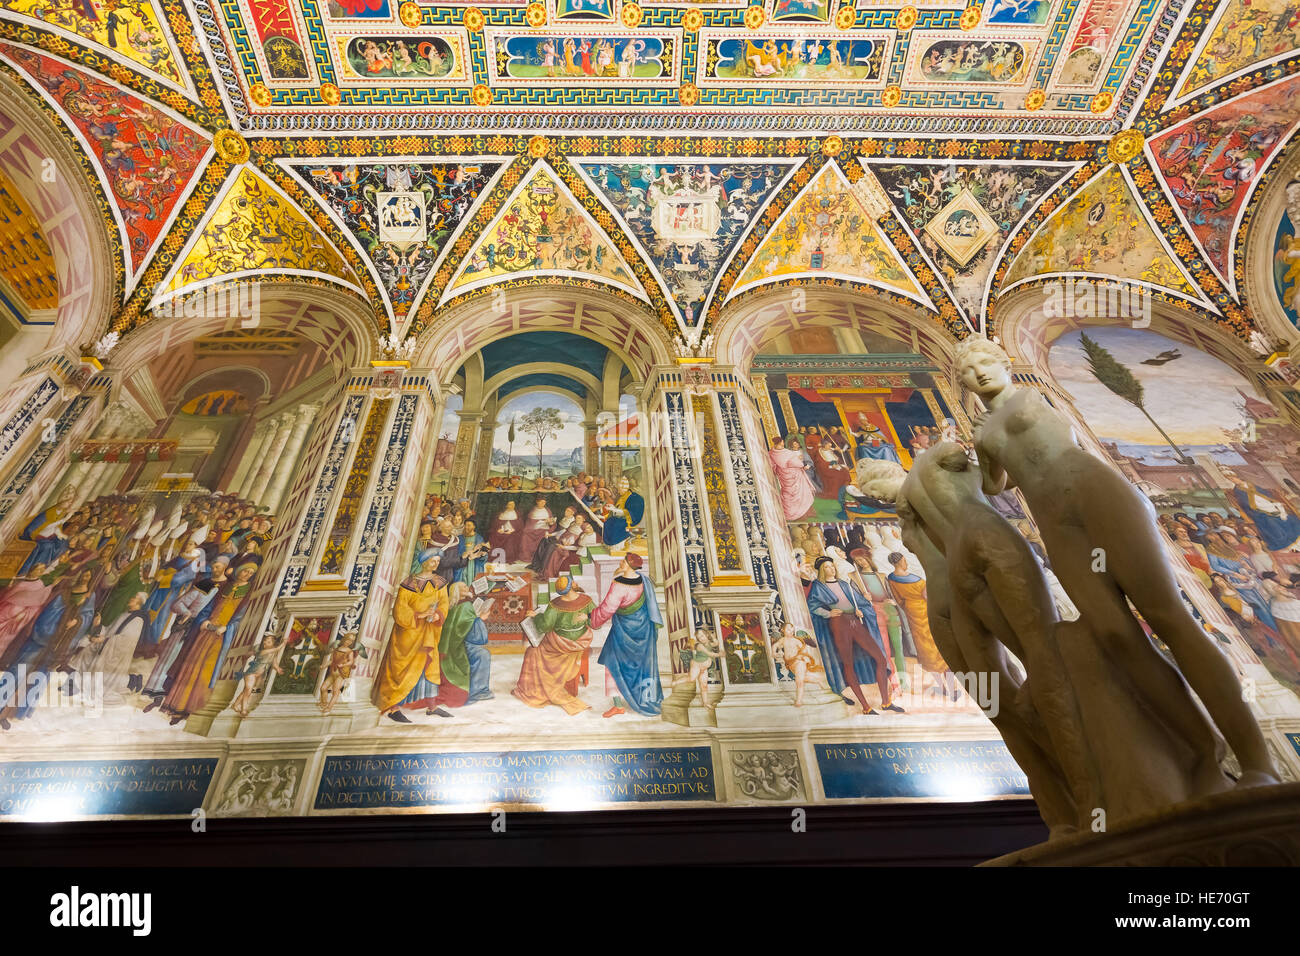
[682,156]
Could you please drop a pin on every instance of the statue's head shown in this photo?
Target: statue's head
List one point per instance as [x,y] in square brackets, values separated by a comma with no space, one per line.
[983,366]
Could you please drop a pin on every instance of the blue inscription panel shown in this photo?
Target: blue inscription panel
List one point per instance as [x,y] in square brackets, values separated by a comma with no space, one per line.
[949,769]
[1295,741]
[59,789]
[557,779]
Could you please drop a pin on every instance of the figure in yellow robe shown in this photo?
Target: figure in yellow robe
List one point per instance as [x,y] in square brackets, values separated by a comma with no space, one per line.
[412,651]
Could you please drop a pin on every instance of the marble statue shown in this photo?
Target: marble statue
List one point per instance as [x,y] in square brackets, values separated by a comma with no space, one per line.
[1105,547]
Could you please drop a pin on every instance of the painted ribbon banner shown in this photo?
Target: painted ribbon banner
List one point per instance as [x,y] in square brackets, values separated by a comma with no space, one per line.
[63,789]
[957,769]
[561,778]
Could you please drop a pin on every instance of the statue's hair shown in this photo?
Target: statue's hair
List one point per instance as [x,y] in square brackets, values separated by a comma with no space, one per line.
[977,344]
[880,479]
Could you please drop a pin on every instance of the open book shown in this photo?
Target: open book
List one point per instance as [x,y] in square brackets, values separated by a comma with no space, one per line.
[483,607]
[531,634]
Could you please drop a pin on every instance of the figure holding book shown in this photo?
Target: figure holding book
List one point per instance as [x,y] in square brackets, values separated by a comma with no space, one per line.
[556,649]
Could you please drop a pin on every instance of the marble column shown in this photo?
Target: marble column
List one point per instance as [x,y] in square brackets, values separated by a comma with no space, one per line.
[29,401]
[460,465]
[725,502]
[590,453]
[361,603]
[249,460]
[483,459]
[30,483]
[303,416]
[278,436]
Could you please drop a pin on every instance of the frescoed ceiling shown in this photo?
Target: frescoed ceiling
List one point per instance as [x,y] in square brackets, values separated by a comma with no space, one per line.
[685,158]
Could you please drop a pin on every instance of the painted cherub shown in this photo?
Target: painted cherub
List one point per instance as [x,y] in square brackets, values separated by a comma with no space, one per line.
[791,649]
[706,650]
[250,678]
[342,659]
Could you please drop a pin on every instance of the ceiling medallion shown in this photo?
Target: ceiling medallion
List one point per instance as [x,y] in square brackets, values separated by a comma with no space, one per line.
[481,95]
[260,95]
[688,94]
[846,17]
[970,18]
[962,228]
[755,17]
[1124,145]
[410,14]
[535,15]
[891,96]
[330,95]
[473,19]
[905,19]
[631,15]
[1035,99]
[538,147]
[230,146]
[692,20]
[832,145]
[1101,102]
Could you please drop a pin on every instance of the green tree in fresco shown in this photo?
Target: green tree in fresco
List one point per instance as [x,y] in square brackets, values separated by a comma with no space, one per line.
[541,425]
[1115,376]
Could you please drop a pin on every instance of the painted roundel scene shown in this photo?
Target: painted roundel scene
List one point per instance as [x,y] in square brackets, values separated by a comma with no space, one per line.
[414,407]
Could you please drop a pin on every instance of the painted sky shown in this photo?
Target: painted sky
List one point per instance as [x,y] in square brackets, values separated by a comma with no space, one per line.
[570,436]
[1194,398]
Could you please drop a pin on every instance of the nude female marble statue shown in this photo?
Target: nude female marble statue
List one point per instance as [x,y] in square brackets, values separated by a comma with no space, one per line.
[1106,549]
[1084,733]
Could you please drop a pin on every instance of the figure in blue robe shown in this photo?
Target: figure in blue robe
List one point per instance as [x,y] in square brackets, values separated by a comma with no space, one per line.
[630,653]
[821,599]
[1277,533]
[480,662]
[629,510]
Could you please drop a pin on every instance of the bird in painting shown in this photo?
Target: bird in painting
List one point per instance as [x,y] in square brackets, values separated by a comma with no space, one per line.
[1168,355]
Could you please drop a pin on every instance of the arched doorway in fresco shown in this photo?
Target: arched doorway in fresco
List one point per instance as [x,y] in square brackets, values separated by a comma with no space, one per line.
[535,498]
[837,394]
[138,566]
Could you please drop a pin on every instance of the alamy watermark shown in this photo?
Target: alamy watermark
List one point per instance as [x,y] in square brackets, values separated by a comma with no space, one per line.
[237,299]
[75,690]
[1074,298]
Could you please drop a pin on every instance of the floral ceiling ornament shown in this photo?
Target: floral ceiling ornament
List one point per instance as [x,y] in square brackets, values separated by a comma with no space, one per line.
[481,95]
[410,14]
[397,349]
[832,145]
[970,18]
[330,95]
[473,19]
[260,95]
[906,19]
[692,20]
[231,147]
[692,346]
[1035,99]
[538,147]
[535,15]
[891,96]
[846,16]
[1102,101]
[1124,145]
[632,15]
[688,94]
[755,17]
[105,345]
